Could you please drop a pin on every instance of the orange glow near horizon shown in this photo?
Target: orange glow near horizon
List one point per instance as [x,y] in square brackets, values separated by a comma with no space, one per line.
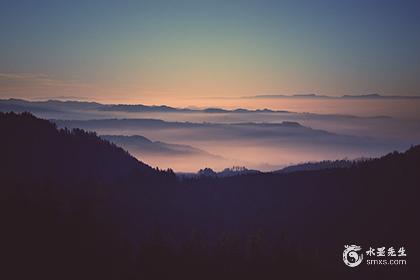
[403,108]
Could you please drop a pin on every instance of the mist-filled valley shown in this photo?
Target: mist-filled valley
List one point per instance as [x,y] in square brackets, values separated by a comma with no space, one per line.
[188,139]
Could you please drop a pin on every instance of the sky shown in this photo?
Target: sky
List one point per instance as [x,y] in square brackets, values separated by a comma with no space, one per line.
[162,51]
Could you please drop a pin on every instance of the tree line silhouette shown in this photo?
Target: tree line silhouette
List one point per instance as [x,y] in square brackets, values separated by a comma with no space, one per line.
[75,206]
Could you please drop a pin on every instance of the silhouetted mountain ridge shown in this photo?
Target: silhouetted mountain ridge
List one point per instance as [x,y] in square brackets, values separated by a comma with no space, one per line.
[142,144]
[21,105]
[75,206]
[43,150]
[326,164]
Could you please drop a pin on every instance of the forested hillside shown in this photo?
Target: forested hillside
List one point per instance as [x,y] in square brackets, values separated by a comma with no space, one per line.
[74,206]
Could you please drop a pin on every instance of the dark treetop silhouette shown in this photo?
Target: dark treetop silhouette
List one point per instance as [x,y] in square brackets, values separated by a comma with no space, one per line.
[74,206]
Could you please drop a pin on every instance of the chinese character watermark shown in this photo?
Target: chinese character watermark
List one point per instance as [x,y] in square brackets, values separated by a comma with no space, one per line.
[353,255]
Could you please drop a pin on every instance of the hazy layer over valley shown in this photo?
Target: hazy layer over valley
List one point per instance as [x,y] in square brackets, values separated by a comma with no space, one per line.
[187,139]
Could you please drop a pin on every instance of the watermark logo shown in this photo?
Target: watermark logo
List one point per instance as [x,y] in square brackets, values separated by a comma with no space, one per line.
[351,255]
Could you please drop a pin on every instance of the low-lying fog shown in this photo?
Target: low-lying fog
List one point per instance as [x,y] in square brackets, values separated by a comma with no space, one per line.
[254,145]
[189,140]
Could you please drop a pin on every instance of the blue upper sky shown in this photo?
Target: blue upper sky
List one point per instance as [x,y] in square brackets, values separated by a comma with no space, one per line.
[100,49]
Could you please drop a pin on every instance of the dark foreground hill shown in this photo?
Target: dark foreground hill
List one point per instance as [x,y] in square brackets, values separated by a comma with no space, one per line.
[74,206]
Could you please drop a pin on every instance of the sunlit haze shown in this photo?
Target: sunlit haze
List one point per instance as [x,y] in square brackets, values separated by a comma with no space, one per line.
[165,51]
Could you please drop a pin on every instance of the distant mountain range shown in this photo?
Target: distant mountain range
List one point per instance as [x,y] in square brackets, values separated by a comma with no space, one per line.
[236,142]
[67,109]
[280,133]
[20,105]
[208,133]
[320,96]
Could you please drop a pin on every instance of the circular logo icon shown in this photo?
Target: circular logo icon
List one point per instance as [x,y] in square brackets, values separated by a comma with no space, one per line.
[351,255]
